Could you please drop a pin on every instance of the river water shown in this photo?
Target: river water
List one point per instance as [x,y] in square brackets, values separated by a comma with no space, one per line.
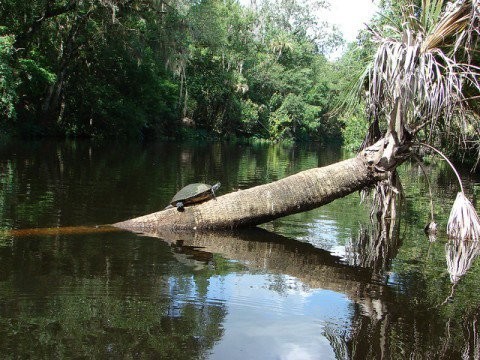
[324,284]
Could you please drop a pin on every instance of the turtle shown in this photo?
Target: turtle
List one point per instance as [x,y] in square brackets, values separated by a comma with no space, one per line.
[193,194]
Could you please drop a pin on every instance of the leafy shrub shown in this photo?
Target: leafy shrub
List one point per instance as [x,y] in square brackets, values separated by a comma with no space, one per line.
[356,126]
[8,82]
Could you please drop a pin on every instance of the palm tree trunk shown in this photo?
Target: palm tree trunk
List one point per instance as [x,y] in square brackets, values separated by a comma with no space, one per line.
[297,193]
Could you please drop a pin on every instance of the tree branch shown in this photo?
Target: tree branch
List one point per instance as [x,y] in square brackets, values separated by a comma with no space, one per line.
[36,24]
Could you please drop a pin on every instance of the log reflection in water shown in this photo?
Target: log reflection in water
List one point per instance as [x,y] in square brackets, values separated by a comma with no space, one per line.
[262,250]
[380,326]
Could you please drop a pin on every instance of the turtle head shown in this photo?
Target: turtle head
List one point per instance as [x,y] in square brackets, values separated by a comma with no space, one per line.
[215,188]
[180,206]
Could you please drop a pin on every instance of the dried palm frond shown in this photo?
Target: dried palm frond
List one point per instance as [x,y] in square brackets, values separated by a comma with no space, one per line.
[422,67]
[463,222]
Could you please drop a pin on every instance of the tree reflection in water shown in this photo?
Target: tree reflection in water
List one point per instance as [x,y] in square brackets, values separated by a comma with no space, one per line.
[382,327]
[374,247]
[103,296]
[134,298]
[384,320]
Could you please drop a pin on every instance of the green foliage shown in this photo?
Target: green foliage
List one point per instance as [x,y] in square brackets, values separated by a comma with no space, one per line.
[354,131]
[34,79]
[113,104]
[265,79]
[351,107]
[280,124]
[8,83]
[294,119]
[136,69]
[250,116]
[35,73]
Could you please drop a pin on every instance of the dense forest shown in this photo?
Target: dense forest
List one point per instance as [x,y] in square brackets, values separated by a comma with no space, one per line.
[156,68]
[180,69]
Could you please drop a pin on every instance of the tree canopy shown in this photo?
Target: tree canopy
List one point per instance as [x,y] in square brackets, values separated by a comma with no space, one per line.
[151,68]
[105,68]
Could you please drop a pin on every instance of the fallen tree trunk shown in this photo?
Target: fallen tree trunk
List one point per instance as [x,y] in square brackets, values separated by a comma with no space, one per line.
[297,193]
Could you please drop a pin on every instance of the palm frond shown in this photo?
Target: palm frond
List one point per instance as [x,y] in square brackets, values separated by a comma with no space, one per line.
[453,23]
[463,223]
[428,69]
[421,74]
[431,13]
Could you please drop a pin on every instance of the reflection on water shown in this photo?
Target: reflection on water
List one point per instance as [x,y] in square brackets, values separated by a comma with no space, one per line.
[264,324]
[101,296]
[375,246]
[324,284]
[460,256]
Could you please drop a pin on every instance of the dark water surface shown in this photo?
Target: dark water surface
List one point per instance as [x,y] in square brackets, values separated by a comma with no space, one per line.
[325,284]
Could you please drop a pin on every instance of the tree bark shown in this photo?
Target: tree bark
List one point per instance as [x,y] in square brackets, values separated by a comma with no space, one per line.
[297,193]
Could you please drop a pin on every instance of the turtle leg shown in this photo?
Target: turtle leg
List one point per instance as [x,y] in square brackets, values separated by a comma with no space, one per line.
[180,206]
[213,193]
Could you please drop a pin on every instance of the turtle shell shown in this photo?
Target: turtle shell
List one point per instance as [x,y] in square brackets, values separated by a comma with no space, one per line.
[192,194]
